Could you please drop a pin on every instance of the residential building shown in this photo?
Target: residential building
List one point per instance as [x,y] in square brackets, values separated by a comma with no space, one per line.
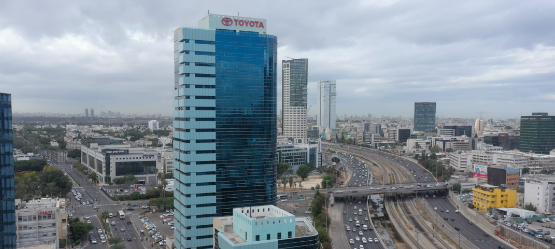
[326,104]
[417,145]
[460,161]
[267,227]
[503,177]
[424,116]
[225,122]
[41,222]
[294,99]
[488,196]
[7,195]
[537,133]
[479,126]
[460,130]
[153,125]
[541,193]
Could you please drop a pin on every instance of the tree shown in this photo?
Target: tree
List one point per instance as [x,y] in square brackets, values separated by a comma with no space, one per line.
[129,178]
[120,181]
[54,181]
[336,160]
[157,202]
[416,156]
[282,168]
[169,176]
[525,171]
[104,215]
[317,186]
[75,153]
[530,207]
[455,187]
[118,246]
[30,165]
[433,156]
[80,229]
[284,182]
[436,148]
[466,190]
[304,171]
[115,240]
[290,180]
[328,181]
[300,185]
[93,176]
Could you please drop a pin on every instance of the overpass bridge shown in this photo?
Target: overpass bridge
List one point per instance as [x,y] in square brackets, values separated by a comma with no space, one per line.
[390,189]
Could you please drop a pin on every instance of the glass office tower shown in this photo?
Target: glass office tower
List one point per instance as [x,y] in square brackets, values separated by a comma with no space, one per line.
[537,133]
[424,116]
[294,99]
[7,190]
[225,123]
[460,129]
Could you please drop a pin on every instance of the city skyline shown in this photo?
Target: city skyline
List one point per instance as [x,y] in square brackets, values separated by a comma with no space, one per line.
[387,58]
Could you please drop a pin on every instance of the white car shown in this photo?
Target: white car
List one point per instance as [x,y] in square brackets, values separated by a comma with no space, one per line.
[376,240]
[456,211]
[93,241]
[103,240]
[100,231]
[351,241]
[435,208]
[357,238]
[447,211]
[364,240]
[87,217]
[360,233]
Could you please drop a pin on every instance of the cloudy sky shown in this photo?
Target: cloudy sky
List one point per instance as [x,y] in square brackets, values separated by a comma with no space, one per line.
[468,56]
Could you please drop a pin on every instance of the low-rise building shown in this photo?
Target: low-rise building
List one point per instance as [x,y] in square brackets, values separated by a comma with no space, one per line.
[503,177]
[41,222]
[488,196]
[266,227]
[540,192]
[297,155]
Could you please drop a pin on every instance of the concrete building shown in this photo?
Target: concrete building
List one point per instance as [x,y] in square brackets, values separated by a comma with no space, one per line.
[86,112]
[267,227]
[503,177]
[41,222]
[225,120]
[92,112]
[153,125]
[297,155]
[326,104]
[460,161]
[537,133]
[27,157]
[479,126]
[488,196]
[424,116]
[459,130]
[541,193]
[7,195]
[294,99]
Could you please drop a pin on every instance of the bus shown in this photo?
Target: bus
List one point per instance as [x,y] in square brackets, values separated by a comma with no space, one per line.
[282,197]
[121,214]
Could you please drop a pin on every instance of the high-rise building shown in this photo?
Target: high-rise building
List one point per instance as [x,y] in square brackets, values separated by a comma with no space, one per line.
[326,104]
[225,122]
[86,112]
[479,126]
[153,125]
[459,130]
[294,92]
[7,190]
[537,133]
[424,116]
[92,112]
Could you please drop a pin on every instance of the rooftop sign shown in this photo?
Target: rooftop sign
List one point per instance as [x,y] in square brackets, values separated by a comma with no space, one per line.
[240,23]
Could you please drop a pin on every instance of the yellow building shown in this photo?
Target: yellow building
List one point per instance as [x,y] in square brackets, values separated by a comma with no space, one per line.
[489,196]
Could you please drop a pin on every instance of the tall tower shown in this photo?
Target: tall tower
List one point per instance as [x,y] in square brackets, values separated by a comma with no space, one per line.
[424,116]
[92,112]
[86,112]
[537,133]
[479,126]
[7,195]
[326,104]
[294,99]
[225,122]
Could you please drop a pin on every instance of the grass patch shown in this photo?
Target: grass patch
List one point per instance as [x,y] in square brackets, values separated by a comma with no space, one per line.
[78,183]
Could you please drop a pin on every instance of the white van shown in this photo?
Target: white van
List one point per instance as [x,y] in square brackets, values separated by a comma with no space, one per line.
[364,227]
[111,215]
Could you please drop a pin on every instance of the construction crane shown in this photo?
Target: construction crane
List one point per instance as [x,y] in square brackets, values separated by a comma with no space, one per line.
[481,114]
[308,109]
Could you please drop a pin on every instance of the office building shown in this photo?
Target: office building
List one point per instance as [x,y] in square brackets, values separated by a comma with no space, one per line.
[7,193]
[479,126]
[541,193]
[374,128]
[92,113]
[503,177]
[297,155]
[86,112]
[326,104]
[403,135]
[424,116]
[537,133]
[294,99]
[153,125]
[459,130]
[225,122]
[488,196]
[267,227]
[41,222]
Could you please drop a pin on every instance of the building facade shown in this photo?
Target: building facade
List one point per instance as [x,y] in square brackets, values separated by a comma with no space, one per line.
[541,193]
[479,126]
[503,177]
[297,155]
[153,125]
[403,135]
[225,122]
[267,227]
[7,190]
[488,196]
[537,133]
[424,116]
[326,104]
[41,222]
[294,99]
[460,130]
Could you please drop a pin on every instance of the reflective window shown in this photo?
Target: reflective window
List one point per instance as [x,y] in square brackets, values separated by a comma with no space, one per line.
[135,168]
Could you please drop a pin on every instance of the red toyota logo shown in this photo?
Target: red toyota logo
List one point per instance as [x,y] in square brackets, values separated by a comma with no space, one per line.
[227,21]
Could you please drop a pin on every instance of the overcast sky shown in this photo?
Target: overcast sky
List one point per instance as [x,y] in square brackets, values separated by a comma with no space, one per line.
[468,56]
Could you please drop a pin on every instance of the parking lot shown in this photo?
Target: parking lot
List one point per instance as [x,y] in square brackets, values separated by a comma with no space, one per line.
[152,224]
[541,230]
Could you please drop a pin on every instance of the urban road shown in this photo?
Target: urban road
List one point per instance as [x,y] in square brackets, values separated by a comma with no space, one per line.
[467,229]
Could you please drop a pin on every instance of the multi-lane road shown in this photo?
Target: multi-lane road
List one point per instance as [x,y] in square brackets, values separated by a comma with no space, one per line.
[467,230]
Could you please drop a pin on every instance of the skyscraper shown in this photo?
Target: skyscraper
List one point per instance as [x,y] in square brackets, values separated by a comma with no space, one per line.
[479,126]
[537,133]
[225,122]
[326,104]
[295,78]
[424,116]
[92,113]
[86,112]
[7,190]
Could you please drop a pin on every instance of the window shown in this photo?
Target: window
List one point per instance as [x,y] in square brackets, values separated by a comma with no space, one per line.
[203,64]
[206,183]
[205,151]
[289,234]
[205,130]
[205,97]
[201,75]
[183,119]
[205,86]
[185,52]
[205,42]
[204,53]
[279,236]
[257,238]
[268,237]
[205,108]
[205,119]
[207,205]
[206,162]
[186,63]
[205,141]
[187,86]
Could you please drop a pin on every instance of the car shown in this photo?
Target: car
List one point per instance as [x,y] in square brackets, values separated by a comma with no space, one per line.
[357,238]
[376,240]
[348,228]
[129,239]
[144,207]
[87,217]
[361,246]
[344,212]
[89,221]
[103,240]
[354,229]
[456,211]
[486,235]
[360,233]
[350,219]
[364,240]
[366,218]
[452,219]
[447,211]
[445,218]
[99,230]
[351,241]
[457,228]
[435,208]
[122,229]
[130,209]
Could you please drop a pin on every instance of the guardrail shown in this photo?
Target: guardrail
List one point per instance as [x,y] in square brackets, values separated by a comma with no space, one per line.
[522,239]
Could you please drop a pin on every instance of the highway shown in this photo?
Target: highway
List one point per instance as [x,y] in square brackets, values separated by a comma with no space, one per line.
[467,230]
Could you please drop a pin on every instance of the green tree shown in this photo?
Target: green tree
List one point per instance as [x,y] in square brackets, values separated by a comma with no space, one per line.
[323,235]
[282,168]
[433,156]
[466,190]
[304,171]
[54,182]
[416,156]
[284,182]
[525,171]
[456,187]
[93,176]
[436,148]
[129,178]
[530,207]
[104,215]
[120,181]
[30,165]
[80,229]
[290,181]
[75,153]
[157,202]
[168,176]
[328,181]
[336,160]
[115,240]
[118,246]
[317,186]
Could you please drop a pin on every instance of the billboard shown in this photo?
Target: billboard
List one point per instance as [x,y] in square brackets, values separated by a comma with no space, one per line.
[480,171]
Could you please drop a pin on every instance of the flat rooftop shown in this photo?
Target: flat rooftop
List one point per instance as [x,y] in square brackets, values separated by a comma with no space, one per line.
[302,229]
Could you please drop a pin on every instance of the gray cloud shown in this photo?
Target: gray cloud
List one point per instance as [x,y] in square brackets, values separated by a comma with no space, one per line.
[494,56]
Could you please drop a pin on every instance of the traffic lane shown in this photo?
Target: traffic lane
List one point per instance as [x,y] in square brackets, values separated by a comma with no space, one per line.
[94,233]
[471,232]
[352,224]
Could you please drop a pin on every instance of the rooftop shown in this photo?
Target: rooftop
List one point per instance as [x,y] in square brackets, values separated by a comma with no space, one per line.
[302,229]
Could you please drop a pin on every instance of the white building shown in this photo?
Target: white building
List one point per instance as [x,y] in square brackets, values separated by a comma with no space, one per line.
[294,99]
[460,161]
[41,222]
[418,145]
[540,192]
[326,104]
[479,126]
[153,125]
